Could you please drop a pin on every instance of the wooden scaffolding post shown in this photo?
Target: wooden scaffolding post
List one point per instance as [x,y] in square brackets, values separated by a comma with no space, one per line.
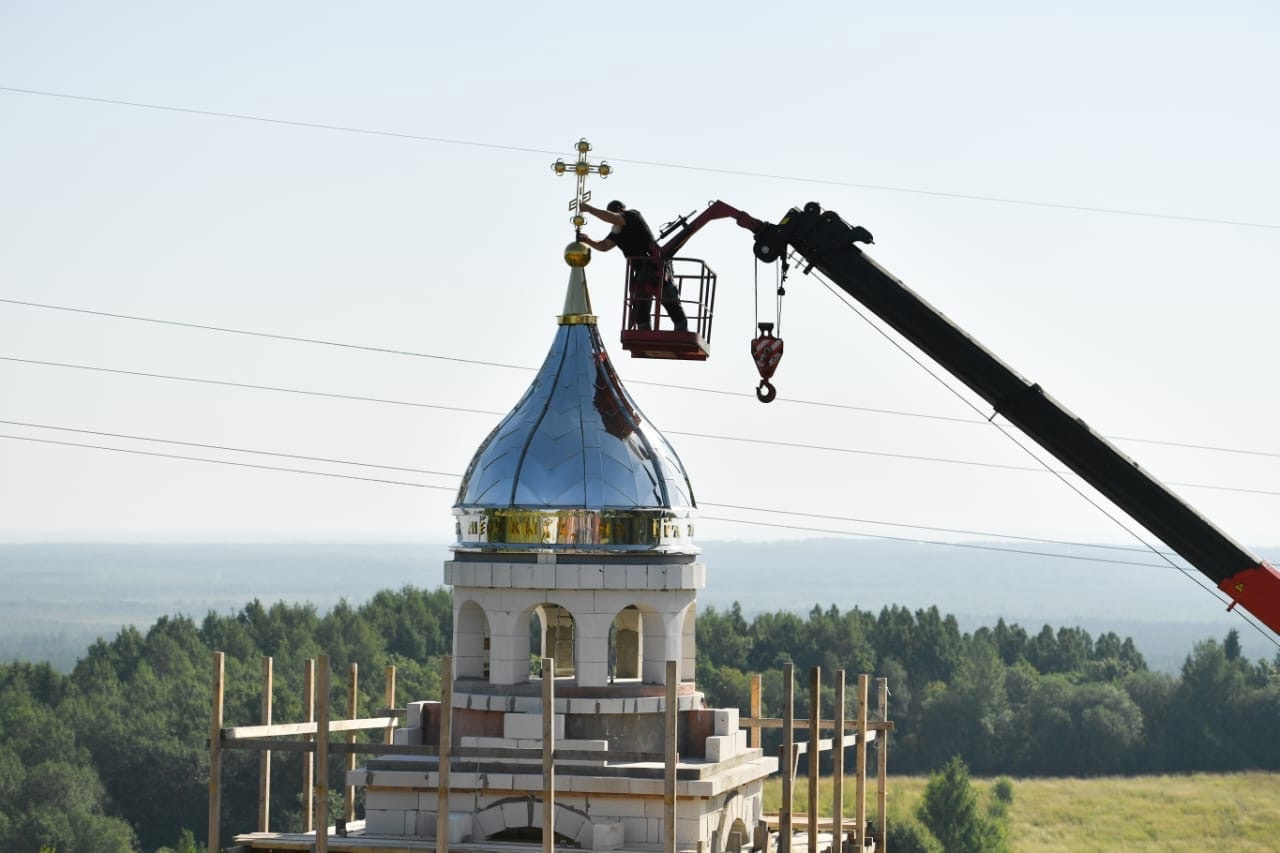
[215,751]
[882,766]
[756,732]
[788,756]
[860,798]
[671,757]
[264,760]
[548,755]
[446,753]
[308,758]
[322,755]
[815,751]
[353,709]
[837,768]
[391,702]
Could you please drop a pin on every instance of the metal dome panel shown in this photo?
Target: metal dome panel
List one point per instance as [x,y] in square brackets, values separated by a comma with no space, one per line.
[576,440]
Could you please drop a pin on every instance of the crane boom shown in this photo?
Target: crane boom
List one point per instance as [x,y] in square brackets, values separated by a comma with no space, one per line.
[828,243]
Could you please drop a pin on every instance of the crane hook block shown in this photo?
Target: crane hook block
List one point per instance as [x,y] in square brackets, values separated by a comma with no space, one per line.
[767,352]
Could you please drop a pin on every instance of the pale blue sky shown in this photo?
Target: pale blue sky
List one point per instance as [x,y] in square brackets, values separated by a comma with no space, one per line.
[1147,327]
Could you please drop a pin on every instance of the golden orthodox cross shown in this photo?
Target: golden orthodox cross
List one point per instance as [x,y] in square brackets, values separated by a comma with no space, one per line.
[582,167]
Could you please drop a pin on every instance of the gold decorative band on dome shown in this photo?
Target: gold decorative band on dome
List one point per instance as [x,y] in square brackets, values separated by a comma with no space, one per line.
[574,529]
[577,319]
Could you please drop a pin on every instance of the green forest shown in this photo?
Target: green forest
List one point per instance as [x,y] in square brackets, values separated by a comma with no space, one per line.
[112,756]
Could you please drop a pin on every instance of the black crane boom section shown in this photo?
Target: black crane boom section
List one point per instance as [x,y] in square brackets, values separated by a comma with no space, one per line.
[828,243]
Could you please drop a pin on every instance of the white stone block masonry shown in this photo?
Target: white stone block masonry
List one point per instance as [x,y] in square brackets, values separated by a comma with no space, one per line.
[529,726]
[606,836]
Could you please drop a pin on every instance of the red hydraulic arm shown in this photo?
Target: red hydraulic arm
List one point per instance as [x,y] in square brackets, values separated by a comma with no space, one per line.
[828,243]
[715,210]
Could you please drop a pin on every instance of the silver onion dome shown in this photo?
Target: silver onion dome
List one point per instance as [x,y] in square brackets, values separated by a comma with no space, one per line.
[575,465]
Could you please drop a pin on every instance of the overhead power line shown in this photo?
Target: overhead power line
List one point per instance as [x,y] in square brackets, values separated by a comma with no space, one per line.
[802,528]
[331,460]
[506,365]
[1247,619]
[829,449]
[800,514]
[231,449]
[246,385]
[746,173]
[791,178]
[311,125]
[974,546]
[225,462]
[270,335]
[710,436]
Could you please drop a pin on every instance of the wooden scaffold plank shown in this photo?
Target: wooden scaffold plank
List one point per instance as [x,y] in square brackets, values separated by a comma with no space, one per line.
[264,760]
[215,750]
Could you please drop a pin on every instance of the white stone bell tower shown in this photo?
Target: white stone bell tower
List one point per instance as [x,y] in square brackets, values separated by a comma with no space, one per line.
[575,543]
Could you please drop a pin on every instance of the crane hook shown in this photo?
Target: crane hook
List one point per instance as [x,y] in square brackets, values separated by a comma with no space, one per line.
[767,352]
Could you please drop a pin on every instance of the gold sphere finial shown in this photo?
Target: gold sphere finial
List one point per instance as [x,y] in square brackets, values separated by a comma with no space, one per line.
[577,254]
[583,145]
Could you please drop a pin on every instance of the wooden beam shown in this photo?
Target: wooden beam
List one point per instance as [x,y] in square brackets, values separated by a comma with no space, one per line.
[882,768]
[215,750]
[829,743]
[232,733]
[322,756]
[815,752]
[754,733]
[837,770]
[778,723]
[349,764]
[788,759]
[824,823]
[477,753]
[548,755]
[446,747]
[672,758]
[391,702]
[860,780]
[308,762]
[264,760]
[772,723]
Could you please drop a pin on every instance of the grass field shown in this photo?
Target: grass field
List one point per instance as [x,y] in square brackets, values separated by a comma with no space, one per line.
[1168,813]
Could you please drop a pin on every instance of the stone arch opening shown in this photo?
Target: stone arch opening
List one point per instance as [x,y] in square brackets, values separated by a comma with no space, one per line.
[624,644]
[557,636]
[737,814]
[520,819]
[737,837]
[529,835]
[471,642]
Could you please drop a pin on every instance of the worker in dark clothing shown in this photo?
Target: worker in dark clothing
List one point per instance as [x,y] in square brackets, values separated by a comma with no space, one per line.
[648,276]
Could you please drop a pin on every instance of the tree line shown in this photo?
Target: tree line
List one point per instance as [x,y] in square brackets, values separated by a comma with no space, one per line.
[113,755]
[1006,701]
